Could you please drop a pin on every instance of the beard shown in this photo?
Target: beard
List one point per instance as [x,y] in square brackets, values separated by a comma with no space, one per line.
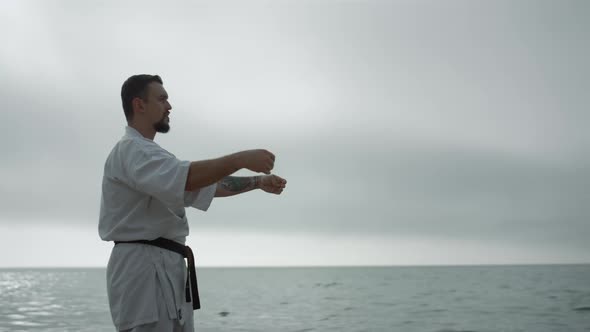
[162,126]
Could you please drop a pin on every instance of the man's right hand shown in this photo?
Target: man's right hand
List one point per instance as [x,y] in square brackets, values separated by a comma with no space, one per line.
[259,160]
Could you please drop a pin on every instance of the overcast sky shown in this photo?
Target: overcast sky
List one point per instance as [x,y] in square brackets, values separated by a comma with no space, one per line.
[410,132]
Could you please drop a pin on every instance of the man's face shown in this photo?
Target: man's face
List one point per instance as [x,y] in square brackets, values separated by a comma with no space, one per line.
[158,108]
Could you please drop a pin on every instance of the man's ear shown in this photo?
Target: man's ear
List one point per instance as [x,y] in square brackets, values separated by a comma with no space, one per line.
[137,104]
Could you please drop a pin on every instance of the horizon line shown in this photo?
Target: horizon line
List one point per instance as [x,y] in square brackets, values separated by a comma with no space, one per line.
[316,266]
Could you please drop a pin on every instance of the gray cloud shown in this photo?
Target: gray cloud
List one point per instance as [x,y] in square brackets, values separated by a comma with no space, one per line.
[426,190]
[456,119]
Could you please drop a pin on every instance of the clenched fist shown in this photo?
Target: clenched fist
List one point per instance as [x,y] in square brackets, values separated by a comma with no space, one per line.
[272,184]
[259,160]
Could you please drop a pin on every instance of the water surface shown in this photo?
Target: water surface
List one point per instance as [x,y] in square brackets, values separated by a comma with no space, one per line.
[437,299]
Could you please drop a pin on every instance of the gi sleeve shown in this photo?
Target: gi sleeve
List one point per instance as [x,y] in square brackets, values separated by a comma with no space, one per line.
[160,174]
[200,199]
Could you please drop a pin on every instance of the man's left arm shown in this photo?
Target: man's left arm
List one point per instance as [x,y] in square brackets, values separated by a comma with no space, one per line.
[233,185]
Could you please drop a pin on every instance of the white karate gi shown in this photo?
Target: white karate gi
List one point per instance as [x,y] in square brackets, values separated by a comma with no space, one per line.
[143,198]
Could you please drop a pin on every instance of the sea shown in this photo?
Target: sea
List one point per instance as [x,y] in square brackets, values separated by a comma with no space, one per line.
[535,298]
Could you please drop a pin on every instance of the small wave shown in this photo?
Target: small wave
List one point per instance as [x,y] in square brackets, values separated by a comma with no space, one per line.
[223,313]
[331,298]
[585,308]
[25,309]
[25,323]
[327,285]
[305,330]
[328,317]
[35,303]
[54,306]
[456,331]
[40,313]
[384,304]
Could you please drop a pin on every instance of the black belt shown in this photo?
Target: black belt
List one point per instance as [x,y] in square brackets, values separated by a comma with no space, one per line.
[187,253]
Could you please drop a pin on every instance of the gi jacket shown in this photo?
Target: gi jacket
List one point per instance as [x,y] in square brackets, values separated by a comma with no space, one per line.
[143,198]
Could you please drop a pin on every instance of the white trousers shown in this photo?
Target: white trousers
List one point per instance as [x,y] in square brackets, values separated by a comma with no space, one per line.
[165,324]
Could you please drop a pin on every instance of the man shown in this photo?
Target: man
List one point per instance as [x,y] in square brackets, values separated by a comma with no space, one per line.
[145,190]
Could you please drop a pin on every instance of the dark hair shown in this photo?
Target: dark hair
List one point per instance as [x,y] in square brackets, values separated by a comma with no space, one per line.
[136,86]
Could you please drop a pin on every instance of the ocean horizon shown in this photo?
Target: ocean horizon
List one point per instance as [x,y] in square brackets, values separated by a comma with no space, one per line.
[437,298]
[39,267]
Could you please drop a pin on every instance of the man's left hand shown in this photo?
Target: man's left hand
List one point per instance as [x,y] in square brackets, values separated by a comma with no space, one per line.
[272,184]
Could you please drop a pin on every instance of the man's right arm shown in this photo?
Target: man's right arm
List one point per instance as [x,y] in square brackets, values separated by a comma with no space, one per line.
[206,172]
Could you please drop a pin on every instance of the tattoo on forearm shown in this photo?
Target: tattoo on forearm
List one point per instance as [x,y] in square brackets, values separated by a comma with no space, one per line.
[235,184]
